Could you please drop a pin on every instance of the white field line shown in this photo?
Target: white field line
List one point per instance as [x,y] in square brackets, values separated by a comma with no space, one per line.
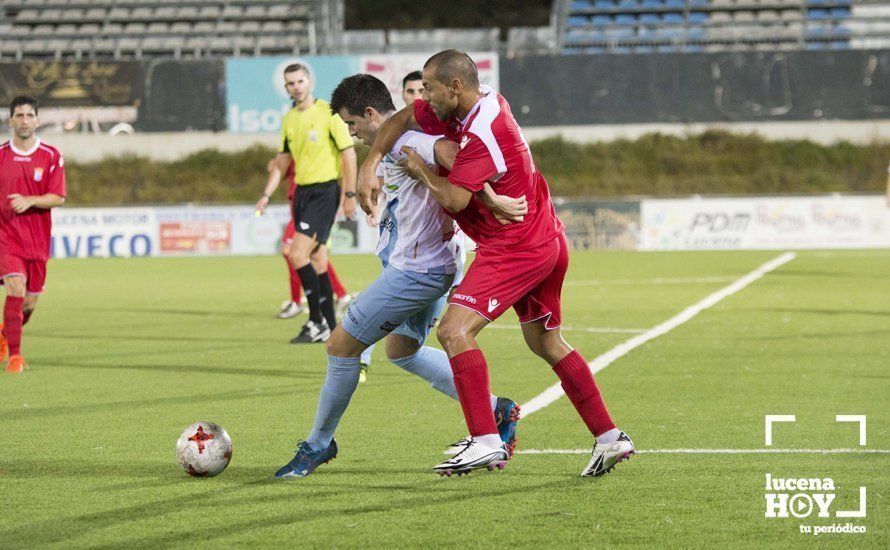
[576,329]
[656,281]
[554,392]
[711,451]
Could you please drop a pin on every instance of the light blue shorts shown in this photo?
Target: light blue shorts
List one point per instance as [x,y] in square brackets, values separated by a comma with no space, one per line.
[399,302]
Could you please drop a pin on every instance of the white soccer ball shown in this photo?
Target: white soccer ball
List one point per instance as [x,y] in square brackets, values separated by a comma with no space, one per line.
[204,449]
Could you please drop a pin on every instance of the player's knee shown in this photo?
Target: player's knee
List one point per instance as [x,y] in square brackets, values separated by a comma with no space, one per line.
[451,336]
[298,258]
[401,348]
[15,286]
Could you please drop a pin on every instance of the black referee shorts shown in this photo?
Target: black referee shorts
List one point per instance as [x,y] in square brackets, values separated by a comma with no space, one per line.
[315,208]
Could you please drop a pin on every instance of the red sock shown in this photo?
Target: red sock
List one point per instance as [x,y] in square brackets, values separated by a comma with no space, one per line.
[578,383]
[12,324]
[339,291]
[296,287]
[471,381]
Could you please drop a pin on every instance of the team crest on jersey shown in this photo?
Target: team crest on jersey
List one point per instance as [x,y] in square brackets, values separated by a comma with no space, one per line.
[38,174]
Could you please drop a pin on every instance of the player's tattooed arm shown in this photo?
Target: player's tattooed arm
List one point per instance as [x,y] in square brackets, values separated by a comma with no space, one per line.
[450,196]
[20,203]
[506,209]
[387,135]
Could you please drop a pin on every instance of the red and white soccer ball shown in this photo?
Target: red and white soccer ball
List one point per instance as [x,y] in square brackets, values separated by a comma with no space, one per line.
[204,449]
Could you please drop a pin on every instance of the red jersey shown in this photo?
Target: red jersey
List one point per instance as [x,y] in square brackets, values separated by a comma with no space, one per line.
[35,172]
[289,177]
[494,149]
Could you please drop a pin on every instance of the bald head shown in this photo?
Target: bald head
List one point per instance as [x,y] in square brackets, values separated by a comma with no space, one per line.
[449,65]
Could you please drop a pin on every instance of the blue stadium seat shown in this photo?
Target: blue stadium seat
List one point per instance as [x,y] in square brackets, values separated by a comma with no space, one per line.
[644,49]
[604,4]
[815,2]
[675,4]
[817,14]
[603,20]
[839,45]
[698,16]
[651,3]
[695,33]
[650,18]
[669,33]
[839,13]
[818,31]
[672,17]
[693,48]
[578,20]
[696,3]
[840,31]
[627,3]
[580,5]
[625,19]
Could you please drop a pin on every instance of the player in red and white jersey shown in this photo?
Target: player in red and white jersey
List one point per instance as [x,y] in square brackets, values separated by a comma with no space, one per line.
[32,181]
[520,265]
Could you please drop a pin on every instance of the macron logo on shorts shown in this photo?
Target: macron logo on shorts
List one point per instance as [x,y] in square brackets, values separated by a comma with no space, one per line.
[493,304]
[463,297]
[304,226]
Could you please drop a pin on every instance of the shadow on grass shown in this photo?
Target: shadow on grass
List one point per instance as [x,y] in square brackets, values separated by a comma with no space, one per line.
[338,484]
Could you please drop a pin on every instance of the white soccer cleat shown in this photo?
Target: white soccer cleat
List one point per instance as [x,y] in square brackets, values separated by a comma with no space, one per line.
[457,446]
[474,456]
[607,455]
[289,309]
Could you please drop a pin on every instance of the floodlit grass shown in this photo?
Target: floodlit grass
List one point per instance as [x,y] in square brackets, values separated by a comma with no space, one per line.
[125,353]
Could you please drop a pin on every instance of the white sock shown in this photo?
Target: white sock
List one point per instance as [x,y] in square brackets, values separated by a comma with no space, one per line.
[494,402]
[609,437]
[489,440]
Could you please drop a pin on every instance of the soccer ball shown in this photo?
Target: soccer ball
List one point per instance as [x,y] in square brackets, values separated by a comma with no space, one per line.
[204,449]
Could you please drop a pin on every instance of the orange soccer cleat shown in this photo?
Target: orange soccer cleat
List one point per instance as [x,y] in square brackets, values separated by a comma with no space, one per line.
[4,346]
[16,364]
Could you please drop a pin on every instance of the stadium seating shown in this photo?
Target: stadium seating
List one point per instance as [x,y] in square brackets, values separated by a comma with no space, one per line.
[120,29]
[133,28]
[642,26]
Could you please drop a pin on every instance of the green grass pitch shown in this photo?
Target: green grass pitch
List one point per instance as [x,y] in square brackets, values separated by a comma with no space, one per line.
[124,354]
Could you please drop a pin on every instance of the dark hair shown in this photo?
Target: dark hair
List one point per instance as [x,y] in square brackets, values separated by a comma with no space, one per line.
[294,67]
[360,91]
[451,64]
[22,100]
[413,75]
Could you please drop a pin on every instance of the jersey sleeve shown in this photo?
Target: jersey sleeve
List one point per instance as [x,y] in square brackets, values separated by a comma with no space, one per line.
[473,165]
[427,119]
[340,133]
[55,184]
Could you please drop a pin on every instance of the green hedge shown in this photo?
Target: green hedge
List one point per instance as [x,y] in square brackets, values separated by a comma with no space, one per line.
[712,163]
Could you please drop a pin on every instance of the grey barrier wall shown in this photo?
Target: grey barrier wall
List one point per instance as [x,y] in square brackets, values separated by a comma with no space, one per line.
[698,87]
[98,96]
[183,96]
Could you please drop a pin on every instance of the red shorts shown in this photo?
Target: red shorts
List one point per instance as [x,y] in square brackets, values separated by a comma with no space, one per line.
[288,235]
[529,281]
[34,271]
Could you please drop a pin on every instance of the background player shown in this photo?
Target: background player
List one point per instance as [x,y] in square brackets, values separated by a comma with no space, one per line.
[402,305]
[32,181]
[521,265]
[412,87]
[322,149]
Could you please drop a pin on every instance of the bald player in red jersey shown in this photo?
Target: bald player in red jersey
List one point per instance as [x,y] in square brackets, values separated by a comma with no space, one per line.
[32,181]
[520,265]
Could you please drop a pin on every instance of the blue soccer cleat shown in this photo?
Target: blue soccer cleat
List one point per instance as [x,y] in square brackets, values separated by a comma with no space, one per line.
[306,460]
[506,413]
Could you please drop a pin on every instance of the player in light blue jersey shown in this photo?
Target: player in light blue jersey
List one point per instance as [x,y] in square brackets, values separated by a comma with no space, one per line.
[420,261]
